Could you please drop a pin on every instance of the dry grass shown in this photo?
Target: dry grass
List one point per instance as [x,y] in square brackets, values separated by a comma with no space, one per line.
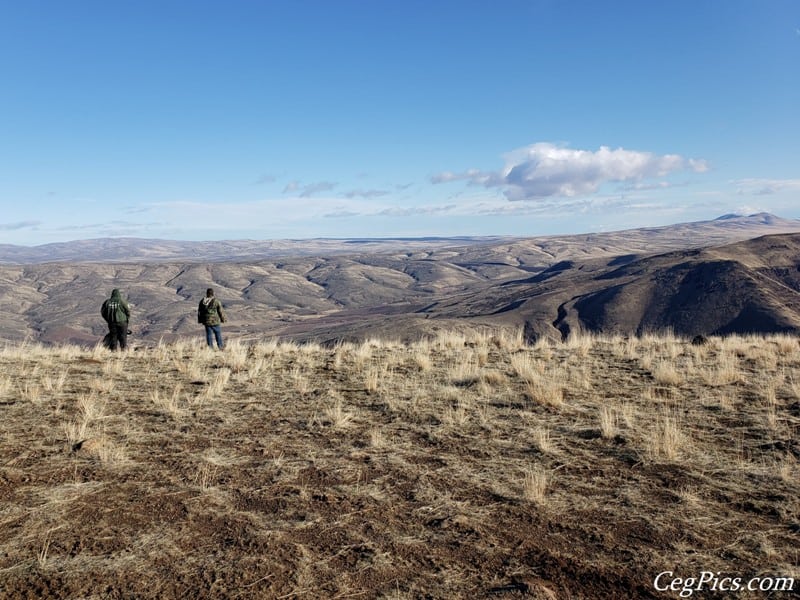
[608,422]
[667,439]
[337,415]
[668,374]
[535,483]
[542,440]
[467,465]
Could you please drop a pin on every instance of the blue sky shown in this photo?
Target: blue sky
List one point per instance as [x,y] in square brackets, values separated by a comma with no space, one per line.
[338,118]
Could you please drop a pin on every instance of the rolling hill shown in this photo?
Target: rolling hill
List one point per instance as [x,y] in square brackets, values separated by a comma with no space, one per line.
[745,287]
[687,276]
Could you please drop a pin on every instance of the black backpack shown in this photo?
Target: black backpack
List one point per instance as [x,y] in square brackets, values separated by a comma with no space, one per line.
[112,306]
[202,311]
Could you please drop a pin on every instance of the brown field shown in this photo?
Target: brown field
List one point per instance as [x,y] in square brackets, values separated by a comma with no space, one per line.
[465,466]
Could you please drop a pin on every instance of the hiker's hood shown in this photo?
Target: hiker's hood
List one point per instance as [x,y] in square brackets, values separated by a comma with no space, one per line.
[208,300]
[115,294]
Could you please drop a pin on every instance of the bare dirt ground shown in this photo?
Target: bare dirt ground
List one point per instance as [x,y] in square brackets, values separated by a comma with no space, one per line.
[461,467]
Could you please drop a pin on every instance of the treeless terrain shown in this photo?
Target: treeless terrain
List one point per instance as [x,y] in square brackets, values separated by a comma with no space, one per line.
[329,290]
[752,286]
[466,466]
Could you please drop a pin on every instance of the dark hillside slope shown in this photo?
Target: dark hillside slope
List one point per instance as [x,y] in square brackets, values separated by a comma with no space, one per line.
[745,287]
[707,296]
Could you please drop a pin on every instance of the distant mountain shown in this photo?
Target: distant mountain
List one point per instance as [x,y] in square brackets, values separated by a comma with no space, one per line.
[723,229]
[152,250]
[687,276]
[762,218]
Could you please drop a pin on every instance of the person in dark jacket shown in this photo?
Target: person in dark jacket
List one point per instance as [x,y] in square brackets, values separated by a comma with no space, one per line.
[210,314]
[117,314]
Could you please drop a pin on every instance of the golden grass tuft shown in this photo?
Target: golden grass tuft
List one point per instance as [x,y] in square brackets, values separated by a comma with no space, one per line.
[337,416]
[542,440]
[608,422]
[667,374]
[545,392]
[667,440]
[535,484]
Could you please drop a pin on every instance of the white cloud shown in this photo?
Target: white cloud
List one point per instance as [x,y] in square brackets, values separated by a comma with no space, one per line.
[316,188]
[546,170]
[112,228]
[308,190]
[261,214]
[641,187]
[359,193]
[749,209]
[766,187]
[413,211]
[341,214]
[266,178]
[19,225]
[448,176]
[698,165]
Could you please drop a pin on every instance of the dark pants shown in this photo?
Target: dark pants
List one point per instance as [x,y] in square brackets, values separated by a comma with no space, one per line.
[118,335]
[216,332]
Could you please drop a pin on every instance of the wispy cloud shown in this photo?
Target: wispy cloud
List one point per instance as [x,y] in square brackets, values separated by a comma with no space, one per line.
[766,187]
[341,214]
[641,186]
[547,170]
[137,210]
[308,190]
[19,225]
[366,193]
[112,228]
[748,209]
[472,175]
[413,211]
[266,178]
[260,213]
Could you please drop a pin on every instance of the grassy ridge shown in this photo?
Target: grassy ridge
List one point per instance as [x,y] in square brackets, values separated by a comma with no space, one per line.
[461,466]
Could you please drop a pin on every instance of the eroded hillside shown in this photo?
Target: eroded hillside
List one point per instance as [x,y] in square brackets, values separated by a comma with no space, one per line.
[549,286]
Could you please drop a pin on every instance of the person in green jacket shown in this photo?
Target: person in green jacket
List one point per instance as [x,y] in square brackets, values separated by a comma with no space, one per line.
[210,314]
[117,314]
